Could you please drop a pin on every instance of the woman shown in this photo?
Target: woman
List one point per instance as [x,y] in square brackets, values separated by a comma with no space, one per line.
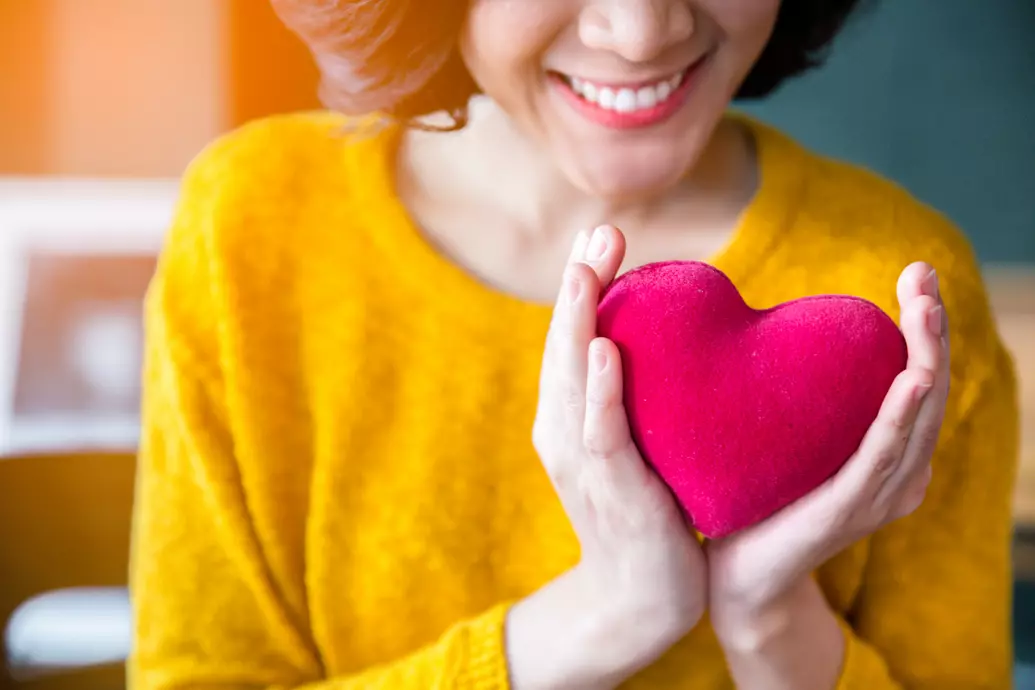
[341,483]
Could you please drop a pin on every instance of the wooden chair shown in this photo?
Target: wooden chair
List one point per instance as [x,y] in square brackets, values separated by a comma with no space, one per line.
[64,523]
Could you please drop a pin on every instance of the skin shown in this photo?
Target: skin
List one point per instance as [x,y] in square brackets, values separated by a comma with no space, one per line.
[505,197]
[541,173]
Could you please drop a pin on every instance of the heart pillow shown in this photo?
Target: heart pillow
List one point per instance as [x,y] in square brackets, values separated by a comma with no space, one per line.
[743,411]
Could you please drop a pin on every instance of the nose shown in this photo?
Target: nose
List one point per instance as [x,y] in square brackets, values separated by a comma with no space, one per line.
[637,30]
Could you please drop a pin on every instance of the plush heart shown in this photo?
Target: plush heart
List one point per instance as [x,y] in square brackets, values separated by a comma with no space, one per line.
[743,411]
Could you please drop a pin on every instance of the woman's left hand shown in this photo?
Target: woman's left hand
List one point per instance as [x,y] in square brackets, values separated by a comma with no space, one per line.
[886,479]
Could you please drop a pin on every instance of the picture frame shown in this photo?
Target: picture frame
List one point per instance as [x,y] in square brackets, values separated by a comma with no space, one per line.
[76,256]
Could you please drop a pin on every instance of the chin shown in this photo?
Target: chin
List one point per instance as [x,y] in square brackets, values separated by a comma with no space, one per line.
[631,175]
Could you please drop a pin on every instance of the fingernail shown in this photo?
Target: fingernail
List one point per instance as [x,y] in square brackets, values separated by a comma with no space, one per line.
[597,245]
[930,284]
[578,249]
[599,358]
[573,285]
[934,320]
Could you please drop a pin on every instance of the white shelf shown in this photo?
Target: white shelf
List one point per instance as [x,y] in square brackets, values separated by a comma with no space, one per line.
[69,216]
[68,433]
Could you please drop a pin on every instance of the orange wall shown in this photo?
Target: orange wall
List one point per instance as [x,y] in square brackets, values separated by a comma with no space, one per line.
[24,107]
[271,69]
[138,87]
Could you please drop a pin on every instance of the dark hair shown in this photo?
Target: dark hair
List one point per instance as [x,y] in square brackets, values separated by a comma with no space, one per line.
[400,57]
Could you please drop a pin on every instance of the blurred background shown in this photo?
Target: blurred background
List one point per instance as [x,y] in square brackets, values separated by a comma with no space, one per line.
[104,102]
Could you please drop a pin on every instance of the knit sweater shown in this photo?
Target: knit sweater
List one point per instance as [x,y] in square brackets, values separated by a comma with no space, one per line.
[337,486]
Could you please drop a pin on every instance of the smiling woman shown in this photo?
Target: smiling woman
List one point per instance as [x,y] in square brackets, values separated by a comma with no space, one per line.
[385,445]
[402,60]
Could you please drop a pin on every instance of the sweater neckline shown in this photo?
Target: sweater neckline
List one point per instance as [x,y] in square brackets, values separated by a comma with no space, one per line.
[762,222]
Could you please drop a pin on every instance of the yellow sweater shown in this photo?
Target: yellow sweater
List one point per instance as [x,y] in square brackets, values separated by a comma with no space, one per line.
[337,486]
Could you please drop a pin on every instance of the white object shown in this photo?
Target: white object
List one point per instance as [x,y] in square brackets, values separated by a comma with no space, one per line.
[69,629]
[79,217]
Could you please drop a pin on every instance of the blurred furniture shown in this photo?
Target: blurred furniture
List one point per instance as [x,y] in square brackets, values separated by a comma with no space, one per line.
[1012,291]
[76,257]
[64,523]
[67,631]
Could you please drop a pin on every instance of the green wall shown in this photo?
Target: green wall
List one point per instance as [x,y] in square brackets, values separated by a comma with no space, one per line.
[940,96]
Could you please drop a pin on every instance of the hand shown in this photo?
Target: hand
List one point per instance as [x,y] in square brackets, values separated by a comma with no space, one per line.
[885,480]
[640,584]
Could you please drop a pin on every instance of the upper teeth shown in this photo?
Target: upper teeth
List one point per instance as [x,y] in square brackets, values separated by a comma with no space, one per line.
[626,100]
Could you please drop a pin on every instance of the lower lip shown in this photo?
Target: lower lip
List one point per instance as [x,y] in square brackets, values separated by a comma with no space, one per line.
[637,119]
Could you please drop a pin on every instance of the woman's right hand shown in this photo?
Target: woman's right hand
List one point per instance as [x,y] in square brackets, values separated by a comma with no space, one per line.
[640,584]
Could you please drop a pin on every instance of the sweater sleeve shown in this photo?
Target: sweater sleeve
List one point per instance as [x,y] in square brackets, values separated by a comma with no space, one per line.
[208,610]
[934,611]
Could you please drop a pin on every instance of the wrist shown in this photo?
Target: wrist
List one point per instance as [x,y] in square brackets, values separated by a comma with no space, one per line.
[758,628]
[795,641]
[572,634]
[750,623]
[627,630]
[751,630]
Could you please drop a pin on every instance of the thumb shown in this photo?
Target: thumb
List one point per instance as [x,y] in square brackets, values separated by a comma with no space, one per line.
[621,480]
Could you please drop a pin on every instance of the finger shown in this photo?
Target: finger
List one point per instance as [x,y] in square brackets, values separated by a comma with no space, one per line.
[619,478]
[918,278]
[606,430]
[883,447]
[580,328]
[605,252]
[577,254]
[912,496]
[559,326]
[557,433]
[551,435]
[920,447]
[922,323]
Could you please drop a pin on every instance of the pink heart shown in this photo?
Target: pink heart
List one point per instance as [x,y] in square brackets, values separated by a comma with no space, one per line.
[743,411]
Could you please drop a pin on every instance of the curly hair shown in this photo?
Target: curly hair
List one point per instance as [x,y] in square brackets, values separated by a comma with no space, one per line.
[395,58]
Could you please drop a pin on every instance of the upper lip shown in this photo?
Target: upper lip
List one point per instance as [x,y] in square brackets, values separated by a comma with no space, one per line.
[632,83]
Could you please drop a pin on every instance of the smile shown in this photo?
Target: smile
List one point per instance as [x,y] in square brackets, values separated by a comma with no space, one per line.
[626,99]
[627,106]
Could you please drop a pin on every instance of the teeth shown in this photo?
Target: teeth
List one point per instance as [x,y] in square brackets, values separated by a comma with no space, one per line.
[626,100]
[647,97]
[664,91]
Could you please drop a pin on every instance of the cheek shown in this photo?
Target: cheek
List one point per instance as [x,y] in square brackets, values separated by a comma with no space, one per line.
[741,30]
[745,24]
[503,41]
